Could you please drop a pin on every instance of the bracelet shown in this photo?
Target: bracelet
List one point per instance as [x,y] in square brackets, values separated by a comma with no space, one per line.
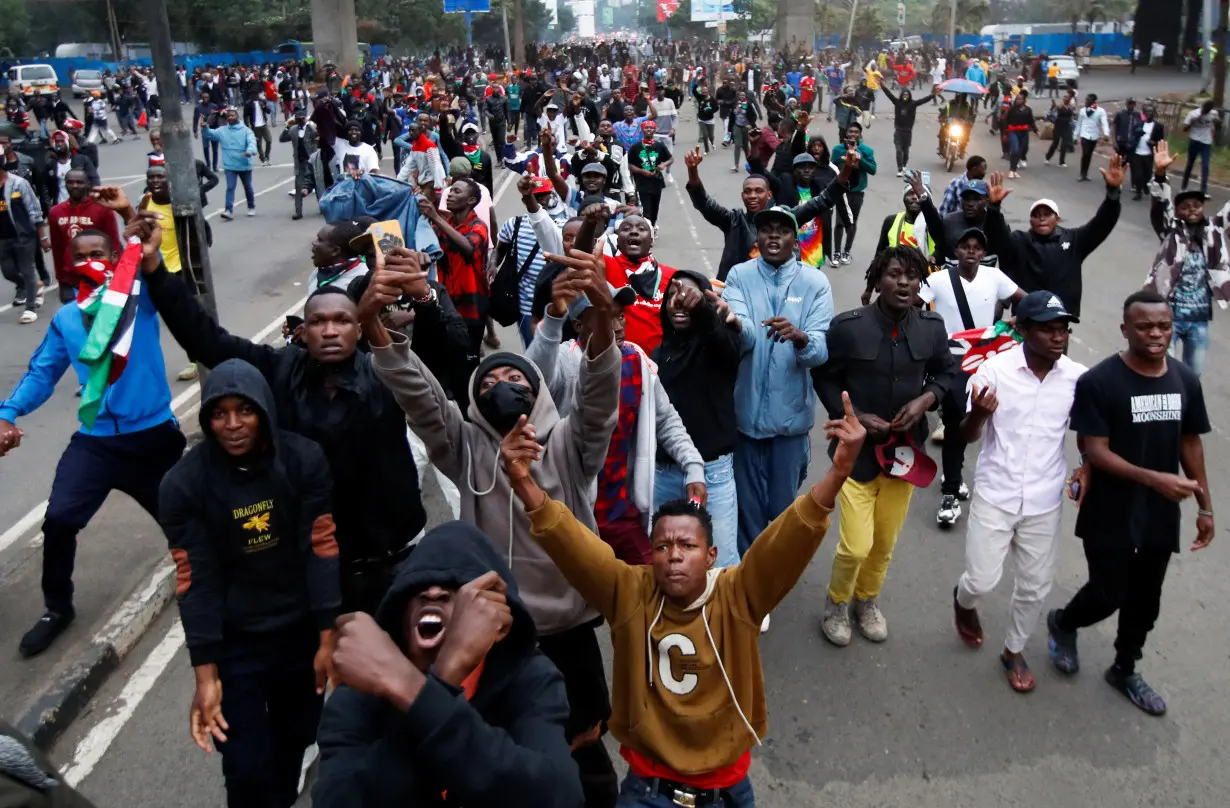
[1203,512]
[430,297]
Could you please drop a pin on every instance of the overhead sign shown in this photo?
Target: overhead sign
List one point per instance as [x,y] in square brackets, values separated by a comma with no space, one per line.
[901,14]
[712,10]
[608,15]
[458,6]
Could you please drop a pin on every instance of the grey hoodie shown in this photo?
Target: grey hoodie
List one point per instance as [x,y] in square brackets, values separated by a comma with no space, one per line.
[468,453]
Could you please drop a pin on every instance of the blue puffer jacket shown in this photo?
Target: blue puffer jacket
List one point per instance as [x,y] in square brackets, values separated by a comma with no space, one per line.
[235,140]
[382,198]
[774,394]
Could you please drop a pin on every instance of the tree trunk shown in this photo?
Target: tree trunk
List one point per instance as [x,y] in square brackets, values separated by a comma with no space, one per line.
[518,55]
[1219,59]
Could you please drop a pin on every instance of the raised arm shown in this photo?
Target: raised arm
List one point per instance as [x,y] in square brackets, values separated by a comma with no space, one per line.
[434,418]
[1090,235]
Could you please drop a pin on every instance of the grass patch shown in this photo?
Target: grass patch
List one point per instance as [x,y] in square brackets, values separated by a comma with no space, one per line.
[1219,165]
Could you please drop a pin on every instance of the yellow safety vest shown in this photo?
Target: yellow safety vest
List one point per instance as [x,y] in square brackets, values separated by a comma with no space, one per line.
[902,232]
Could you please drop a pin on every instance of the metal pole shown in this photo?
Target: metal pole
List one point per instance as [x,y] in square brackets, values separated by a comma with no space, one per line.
[469,30]
[114,31]
[177,144]
[850,29]
[952,26]
[508,63]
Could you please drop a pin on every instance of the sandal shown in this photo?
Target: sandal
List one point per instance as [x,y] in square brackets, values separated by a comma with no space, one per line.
[1020,677]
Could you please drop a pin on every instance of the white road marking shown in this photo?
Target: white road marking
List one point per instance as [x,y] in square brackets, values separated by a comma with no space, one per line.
[503,187]
[23,525]
[100,737]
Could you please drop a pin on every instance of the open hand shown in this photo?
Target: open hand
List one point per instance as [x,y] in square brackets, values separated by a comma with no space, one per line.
[996,192]
[849,433]
[519,449]
[1163,157]
[205,720]
[1113,173]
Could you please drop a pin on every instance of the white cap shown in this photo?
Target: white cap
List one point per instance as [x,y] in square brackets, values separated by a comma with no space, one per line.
[1044,203]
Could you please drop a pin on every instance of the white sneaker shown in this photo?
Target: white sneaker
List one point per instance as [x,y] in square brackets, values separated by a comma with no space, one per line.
[42,290]
[1022,164]
[938,435]
[871,622]
[227,215]
[949,512]
[251,212]
[962,492]
[764,624]
[835,624]
[28,317]
[188,374]
[291,192]
[899,172]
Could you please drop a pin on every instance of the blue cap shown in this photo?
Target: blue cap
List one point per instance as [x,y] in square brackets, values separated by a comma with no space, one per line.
[1042,307]
[977,186]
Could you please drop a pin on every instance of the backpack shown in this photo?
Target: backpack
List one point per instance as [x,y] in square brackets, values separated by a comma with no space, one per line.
[505,299]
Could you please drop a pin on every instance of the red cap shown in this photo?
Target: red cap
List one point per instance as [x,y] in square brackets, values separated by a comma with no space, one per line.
[542,185]
[901,458]
[492,77]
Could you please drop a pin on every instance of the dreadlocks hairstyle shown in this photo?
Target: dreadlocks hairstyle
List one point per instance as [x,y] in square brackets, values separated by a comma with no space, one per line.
[908,256]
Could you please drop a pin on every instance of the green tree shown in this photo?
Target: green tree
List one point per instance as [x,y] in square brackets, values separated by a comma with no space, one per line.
[14,25]
[868,24]
[971,16]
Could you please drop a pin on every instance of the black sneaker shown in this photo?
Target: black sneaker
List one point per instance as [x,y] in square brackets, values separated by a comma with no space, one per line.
[1062,645]
[1134,686]
[49,626]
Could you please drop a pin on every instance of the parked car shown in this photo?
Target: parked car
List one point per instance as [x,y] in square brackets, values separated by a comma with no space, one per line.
[1069,71]
[86,81]
[35,78]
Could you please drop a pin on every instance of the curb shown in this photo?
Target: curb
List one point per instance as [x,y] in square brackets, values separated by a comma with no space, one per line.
[62,699]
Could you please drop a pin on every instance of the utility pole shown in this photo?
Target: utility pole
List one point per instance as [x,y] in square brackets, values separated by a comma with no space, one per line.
[114,32]
[1206,42]
[508,63]
[850,30]
[177,144]
[952,26]
[1219,61]
[518,53]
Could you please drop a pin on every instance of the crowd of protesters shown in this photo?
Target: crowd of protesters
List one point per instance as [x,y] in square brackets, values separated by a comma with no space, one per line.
[635,469]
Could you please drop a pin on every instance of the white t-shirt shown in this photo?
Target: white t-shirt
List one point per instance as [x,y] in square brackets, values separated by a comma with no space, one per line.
[258,113]
[1142,146]
[556,126]
[1201,125]
[989,286]
[368,161]
[667,112]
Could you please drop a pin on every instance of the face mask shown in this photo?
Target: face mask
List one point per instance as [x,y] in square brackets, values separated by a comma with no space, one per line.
[503,404]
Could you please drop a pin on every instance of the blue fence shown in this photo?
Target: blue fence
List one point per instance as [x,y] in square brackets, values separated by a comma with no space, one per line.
[1103,44]
[65,67]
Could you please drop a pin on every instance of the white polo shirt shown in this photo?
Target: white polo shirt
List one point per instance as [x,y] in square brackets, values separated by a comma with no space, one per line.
[1021,467]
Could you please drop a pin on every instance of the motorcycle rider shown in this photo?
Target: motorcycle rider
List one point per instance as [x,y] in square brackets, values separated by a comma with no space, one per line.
[958,110]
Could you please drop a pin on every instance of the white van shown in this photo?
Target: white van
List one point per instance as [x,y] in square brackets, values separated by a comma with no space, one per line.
[35,78]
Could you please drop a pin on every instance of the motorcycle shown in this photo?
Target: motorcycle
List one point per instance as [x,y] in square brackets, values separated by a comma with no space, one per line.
[954,132]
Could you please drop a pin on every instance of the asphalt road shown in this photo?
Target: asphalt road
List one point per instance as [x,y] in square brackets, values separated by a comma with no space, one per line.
[920,720]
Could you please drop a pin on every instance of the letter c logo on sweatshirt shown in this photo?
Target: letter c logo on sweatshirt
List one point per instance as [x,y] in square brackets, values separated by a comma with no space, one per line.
[680,687]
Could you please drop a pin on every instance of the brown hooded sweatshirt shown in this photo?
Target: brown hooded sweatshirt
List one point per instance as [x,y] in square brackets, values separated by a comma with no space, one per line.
[671,700]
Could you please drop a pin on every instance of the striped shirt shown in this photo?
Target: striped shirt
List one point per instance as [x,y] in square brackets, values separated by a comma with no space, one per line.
[526,240]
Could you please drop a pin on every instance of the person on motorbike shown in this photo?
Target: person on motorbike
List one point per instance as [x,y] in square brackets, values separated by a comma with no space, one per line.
[958,110]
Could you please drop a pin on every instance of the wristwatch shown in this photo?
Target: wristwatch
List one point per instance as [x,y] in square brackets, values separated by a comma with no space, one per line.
[429,299]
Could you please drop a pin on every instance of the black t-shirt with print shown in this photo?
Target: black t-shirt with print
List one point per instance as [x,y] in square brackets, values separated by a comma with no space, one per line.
[1145,419]
[648,156]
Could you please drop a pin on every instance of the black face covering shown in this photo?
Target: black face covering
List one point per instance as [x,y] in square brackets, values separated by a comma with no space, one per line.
[503,404]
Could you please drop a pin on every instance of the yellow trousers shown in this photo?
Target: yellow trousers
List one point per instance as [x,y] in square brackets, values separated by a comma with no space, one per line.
[872,514]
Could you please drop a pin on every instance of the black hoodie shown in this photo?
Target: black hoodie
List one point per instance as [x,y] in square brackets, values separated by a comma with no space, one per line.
[505,747]
[377,503]
[252,537]
[698,368]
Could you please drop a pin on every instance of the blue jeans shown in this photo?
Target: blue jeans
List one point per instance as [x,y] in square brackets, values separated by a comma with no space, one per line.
[768,472]
[525,327]
[231,178]
[1205,152]
[722,504]
[638,793]
[1194,335]
[1018,142]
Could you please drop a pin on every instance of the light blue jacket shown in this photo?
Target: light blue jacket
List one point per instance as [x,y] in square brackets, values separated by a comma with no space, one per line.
[139,399]
[774,394]
[234,140]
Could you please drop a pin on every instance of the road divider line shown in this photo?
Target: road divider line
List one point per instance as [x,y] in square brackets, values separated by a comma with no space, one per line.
[98,740]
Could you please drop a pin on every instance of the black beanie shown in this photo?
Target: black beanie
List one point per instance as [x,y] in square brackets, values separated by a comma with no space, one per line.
[510,360]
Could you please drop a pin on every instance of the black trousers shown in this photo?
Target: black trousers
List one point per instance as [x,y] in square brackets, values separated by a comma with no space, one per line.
[1087,147]
[91,468]
[651,202]
[1125,580]
[952,411]
[1142,168]
[847,220]
[826,227]
[1061,140]
[901,139]
[577,655]
[270,702]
